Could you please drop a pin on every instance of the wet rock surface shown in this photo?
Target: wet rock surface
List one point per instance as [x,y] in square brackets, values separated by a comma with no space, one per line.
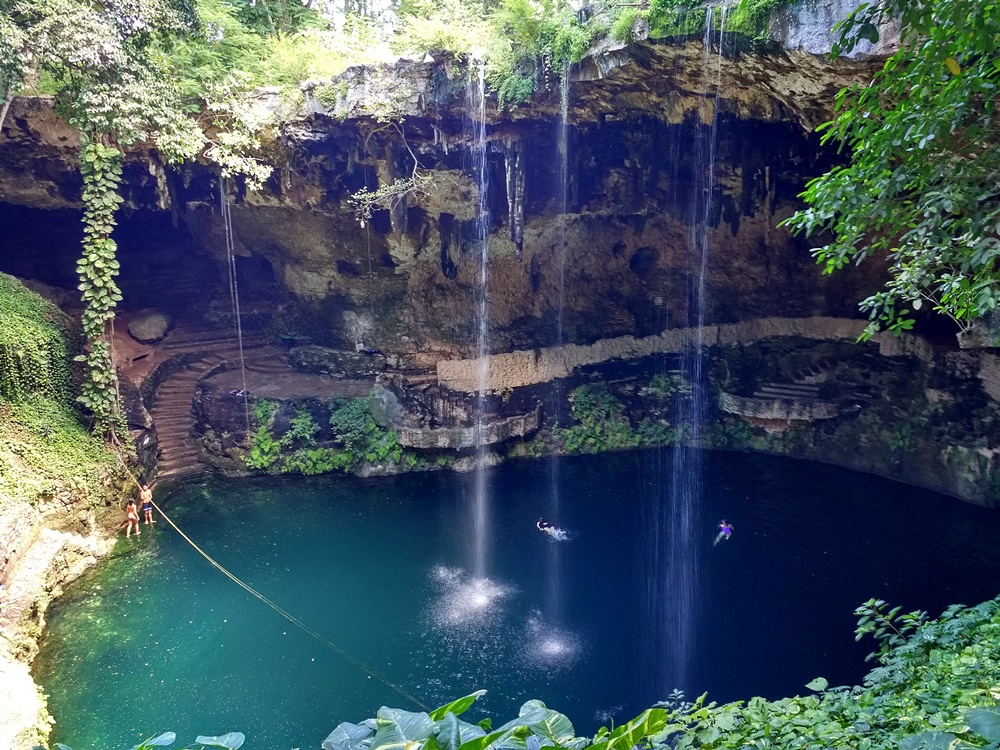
[149,326]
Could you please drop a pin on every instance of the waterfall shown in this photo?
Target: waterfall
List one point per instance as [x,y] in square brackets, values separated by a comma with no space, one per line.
[476,103]
[686,529]
[553,610]
[234,290]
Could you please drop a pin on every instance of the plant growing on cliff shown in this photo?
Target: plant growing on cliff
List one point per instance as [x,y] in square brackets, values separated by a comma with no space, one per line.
[356,430]
[34,359]
[603,425]
[920,191]
[102,173]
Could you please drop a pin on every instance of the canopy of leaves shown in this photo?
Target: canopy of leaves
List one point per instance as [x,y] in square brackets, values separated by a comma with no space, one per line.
[921,189]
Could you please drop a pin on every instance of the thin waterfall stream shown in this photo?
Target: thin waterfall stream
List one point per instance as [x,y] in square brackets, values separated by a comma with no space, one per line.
[686,525]
[553,605]
[481,501]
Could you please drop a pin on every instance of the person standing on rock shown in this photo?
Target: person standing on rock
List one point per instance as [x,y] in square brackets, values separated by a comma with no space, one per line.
[146,495]
[133,518]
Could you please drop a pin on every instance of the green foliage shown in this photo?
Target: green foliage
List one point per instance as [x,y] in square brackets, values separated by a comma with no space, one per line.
[602,425]
[265,451]
[750,18]
[356,430]
[97,268]
[528,39]
[34,360]
[297,452]
[920,192]
[889,629]
[44,449]
[621,29]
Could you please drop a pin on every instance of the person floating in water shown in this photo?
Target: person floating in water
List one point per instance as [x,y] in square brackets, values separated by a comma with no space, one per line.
[132,517]
[559,535]
[146,495]
[725,531]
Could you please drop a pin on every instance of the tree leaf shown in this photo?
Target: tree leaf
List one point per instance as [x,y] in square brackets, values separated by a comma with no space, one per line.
[453,732]
[927,741]
[819,684]
[985,722]
[231,740]
[397,727]
[347,736]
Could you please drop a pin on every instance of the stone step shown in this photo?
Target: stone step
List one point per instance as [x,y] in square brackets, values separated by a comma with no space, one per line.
[787,390]
[170,426]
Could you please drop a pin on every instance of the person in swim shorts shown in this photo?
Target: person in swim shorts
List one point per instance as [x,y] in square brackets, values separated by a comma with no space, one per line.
[146,495]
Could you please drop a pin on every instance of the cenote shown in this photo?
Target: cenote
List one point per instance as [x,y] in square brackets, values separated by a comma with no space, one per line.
[156,639]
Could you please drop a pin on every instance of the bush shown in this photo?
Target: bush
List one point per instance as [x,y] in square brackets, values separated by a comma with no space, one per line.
[34,358]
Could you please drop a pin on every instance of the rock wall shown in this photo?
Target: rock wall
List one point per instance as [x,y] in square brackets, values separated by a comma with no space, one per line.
[614,248]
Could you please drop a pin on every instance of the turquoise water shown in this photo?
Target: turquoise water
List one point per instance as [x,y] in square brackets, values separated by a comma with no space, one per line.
[157,640]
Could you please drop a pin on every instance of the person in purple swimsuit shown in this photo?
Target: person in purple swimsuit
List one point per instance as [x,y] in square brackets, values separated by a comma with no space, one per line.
[725,531]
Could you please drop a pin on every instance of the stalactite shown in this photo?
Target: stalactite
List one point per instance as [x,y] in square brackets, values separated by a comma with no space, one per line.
[446,232]
[514,161]
[397,206]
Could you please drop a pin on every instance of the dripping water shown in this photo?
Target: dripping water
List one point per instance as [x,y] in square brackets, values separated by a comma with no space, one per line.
[685,525]
[476,95]
[553,609]
[234,289]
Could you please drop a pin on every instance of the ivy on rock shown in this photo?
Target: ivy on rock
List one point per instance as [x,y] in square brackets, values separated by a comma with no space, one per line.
[101,168]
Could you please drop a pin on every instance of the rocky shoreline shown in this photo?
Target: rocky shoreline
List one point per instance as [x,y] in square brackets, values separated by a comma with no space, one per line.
[42,551]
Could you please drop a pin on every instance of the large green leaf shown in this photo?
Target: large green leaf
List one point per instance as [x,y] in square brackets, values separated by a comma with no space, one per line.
[348,736]
[650,722]
[396,728]
[167,738]
[985,722]
[230,740]
[453,732]
[457,707]
[546,723]
[927,741]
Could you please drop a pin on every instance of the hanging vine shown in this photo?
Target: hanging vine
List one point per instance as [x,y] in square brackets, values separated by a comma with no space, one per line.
[101,168]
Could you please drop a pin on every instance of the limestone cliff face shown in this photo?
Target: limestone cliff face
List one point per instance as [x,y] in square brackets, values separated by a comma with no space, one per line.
[614,245]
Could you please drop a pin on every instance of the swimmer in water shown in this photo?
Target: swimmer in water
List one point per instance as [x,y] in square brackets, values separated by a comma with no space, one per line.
[725,531]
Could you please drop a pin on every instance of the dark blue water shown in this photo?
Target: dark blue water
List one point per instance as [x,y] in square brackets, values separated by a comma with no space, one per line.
[157,640]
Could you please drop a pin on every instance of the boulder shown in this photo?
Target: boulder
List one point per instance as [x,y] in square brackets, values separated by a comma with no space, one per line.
[149,326]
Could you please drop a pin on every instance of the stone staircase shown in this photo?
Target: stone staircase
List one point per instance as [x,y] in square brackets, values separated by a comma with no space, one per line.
[788,391]
[172,407]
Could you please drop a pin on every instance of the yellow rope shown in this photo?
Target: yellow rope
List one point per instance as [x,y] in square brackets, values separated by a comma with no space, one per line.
[281,611]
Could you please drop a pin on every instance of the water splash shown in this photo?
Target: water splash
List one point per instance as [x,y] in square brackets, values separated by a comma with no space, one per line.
[465,602]
[550,646]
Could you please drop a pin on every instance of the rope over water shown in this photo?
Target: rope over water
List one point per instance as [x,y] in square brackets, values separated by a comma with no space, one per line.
[285,613]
